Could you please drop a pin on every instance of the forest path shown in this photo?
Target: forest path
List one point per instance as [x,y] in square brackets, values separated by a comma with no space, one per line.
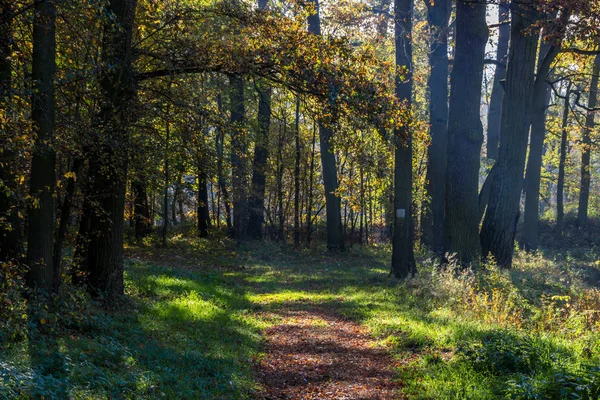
[315,346]
[316,354]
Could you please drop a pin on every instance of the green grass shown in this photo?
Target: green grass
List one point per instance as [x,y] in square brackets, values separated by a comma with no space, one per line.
[190,326]
[180,334]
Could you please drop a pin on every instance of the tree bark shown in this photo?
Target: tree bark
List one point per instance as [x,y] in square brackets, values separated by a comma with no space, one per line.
[541,99]
[40,238]
[465,134]
[109,156]
[560,185]
[222,182]
[584,188]
[141,211]
[65,217]
[165,227]
[335,233]
[495,110]
[297,155]
[403,259]
[279,180]
[203,212]
[311,177]
[498,229]
[239,149]
[261,154]
[438,14]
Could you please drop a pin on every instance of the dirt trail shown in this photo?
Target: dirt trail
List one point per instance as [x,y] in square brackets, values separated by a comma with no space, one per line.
[316,354]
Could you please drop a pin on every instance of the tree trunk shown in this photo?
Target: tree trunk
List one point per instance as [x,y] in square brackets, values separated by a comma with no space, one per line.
[335,234]
[499,225]
[311,176]
[176,196]
[279,180]
[584,191]
[438,14]
[63,226]
[560,185]
[239,149]
[261,155]
[141,211]
[10,224]
[220,143]
[109,156]
[465,134]
[541,99]
[495,111]
[40,238]
[297,177]
[203,212]
[403,259]
[165,227]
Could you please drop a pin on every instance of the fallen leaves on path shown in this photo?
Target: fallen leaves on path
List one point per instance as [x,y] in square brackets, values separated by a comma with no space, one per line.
[319,355]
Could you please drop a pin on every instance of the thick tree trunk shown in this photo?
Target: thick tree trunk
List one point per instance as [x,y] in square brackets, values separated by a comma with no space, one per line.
[256,202]
[40,238]
[335,233]
[499,225]
[261,154]
[141,211]
[495,111]
[239,149]
[465,134]
[560,185]
[109,156]
[10,224]
[584,189]
[403,259]
[433,218]
[541,99]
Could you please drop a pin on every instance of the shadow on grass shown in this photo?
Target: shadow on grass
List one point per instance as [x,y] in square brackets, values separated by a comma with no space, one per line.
[179,335]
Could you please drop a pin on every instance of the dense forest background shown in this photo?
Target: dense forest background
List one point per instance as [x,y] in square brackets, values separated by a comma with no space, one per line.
[463,134]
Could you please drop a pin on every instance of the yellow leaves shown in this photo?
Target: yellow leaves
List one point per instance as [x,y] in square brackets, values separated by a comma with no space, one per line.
[71,175]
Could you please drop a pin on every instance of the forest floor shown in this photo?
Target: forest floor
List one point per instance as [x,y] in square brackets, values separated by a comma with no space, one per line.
[208,319]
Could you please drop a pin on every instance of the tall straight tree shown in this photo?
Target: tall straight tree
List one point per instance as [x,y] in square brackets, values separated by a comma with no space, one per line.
[438,14]
[238,154]
[541,99]
[560,184]
[465,133]
[333,206]
[104,211]
[40,238]
[499,224]
[261,154]
[495,111]
[403,258]
[10,232]
[584,188]
[256,202]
